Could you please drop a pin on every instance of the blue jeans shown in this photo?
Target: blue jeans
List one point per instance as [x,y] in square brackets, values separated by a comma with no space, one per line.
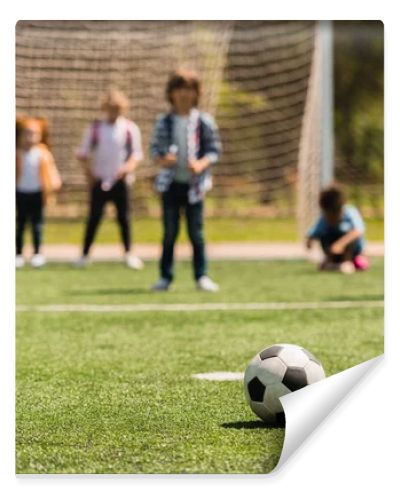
[351,251]
[174,201]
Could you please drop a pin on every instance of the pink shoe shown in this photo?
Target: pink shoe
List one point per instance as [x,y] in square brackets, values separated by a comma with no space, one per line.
[360,263]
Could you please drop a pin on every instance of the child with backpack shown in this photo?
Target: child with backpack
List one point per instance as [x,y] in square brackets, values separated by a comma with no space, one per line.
[37,179]
[110,153]
[185,144]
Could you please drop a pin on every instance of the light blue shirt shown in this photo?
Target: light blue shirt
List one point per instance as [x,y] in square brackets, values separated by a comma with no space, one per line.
[350,219]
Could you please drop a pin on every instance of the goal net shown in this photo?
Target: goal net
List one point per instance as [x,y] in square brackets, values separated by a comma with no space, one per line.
[259,81]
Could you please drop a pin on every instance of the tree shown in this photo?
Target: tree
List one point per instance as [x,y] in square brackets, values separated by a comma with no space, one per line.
[358,71]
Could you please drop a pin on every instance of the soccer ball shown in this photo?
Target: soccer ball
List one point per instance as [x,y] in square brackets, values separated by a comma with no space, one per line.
[275,371]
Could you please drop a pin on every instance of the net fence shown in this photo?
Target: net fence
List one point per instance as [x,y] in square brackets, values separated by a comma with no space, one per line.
[256,77]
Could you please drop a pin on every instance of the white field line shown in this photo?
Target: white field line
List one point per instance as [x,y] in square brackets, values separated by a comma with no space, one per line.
[224,306]
[219,376]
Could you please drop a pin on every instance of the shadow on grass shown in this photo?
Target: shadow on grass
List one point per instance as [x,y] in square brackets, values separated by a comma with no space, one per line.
[111,291]
[252,424]
[345,298]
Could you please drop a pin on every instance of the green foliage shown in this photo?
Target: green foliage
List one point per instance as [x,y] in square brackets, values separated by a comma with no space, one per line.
[232,98]
[237,103]
[359,100]
[368,139]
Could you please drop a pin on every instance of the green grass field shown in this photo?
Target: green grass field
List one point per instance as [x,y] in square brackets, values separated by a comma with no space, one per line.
[218,229]
[113,393]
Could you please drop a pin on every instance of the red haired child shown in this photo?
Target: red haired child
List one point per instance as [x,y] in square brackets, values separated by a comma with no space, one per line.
[37,179]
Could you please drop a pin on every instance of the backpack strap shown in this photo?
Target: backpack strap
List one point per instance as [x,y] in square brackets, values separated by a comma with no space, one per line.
[94,138]
[95,134]
[128,143]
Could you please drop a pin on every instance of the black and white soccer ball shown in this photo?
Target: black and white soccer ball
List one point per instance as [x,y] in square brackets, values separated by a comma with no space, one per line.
[275,371]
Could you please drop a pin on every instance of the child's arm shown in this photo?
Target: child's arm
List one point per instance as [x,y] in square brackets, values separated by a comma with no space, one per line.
[212,146]
[83,156]
[54,176]
[339,246]
[136,156]
[159,145]
[309,242]
[358,229]
[314,232]
[169,160]
[128,167]
[197,166]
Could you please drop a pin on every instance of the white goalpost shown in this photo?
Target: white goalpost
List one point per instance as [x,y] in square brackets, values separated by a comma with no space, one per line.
[316,151]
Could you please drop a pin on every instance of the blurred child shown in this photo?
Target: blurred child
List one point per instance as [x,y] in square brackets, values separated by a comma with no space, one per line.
[340,230]
[37,179]
[110,153]
[185,144]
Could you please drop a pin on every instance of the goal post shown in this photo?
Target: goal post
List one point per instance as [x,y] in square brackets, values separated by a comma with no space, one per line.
[325,33]
[316,150]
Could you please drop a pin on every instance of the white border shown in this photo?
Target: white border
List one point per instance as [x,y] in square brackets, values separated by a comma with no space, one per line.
[349,455]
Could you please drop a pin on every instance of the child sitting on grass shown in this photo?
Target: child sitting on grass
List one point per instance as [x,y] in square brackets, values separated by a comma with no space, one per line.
[37,179]
[340,230]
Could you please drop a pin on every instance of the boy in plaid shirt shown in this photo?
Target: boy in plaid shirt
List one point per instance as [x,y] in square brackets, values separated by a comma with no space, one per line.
[185,144]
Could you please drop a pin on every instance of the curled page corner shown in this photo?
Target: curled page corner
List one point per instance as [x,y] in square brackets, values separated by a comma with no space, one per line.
[307,408]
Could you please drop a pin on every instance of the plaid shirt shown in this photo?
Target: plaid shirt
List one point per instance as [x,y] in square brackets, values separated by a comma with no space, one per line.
[203,140]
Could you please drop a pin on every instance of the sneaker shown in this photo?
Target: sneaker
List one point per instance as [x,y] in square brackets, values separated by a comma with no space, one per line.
[82,262]
[162,285]
[347,267]
[133,262]
[19,261]
[38,260]
[360,263]
[207,285]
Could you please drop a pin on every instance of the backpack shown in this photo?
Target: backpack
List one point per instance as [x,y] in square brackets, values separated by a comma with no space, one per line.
[95,134]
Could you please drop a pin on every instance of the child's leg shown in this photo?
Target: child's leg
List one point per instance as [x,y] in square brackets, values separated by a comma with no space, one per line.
[326,242]
[36,215]
[171,209]
[97,201]
[22,215]
[329,262]
[194,218]
[342,262]
[355,249]
[120,196]
[348,254]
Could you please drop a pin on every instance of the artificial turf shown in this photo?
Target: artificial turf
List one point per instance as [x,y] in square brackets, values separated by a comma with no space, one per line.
[113,392]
